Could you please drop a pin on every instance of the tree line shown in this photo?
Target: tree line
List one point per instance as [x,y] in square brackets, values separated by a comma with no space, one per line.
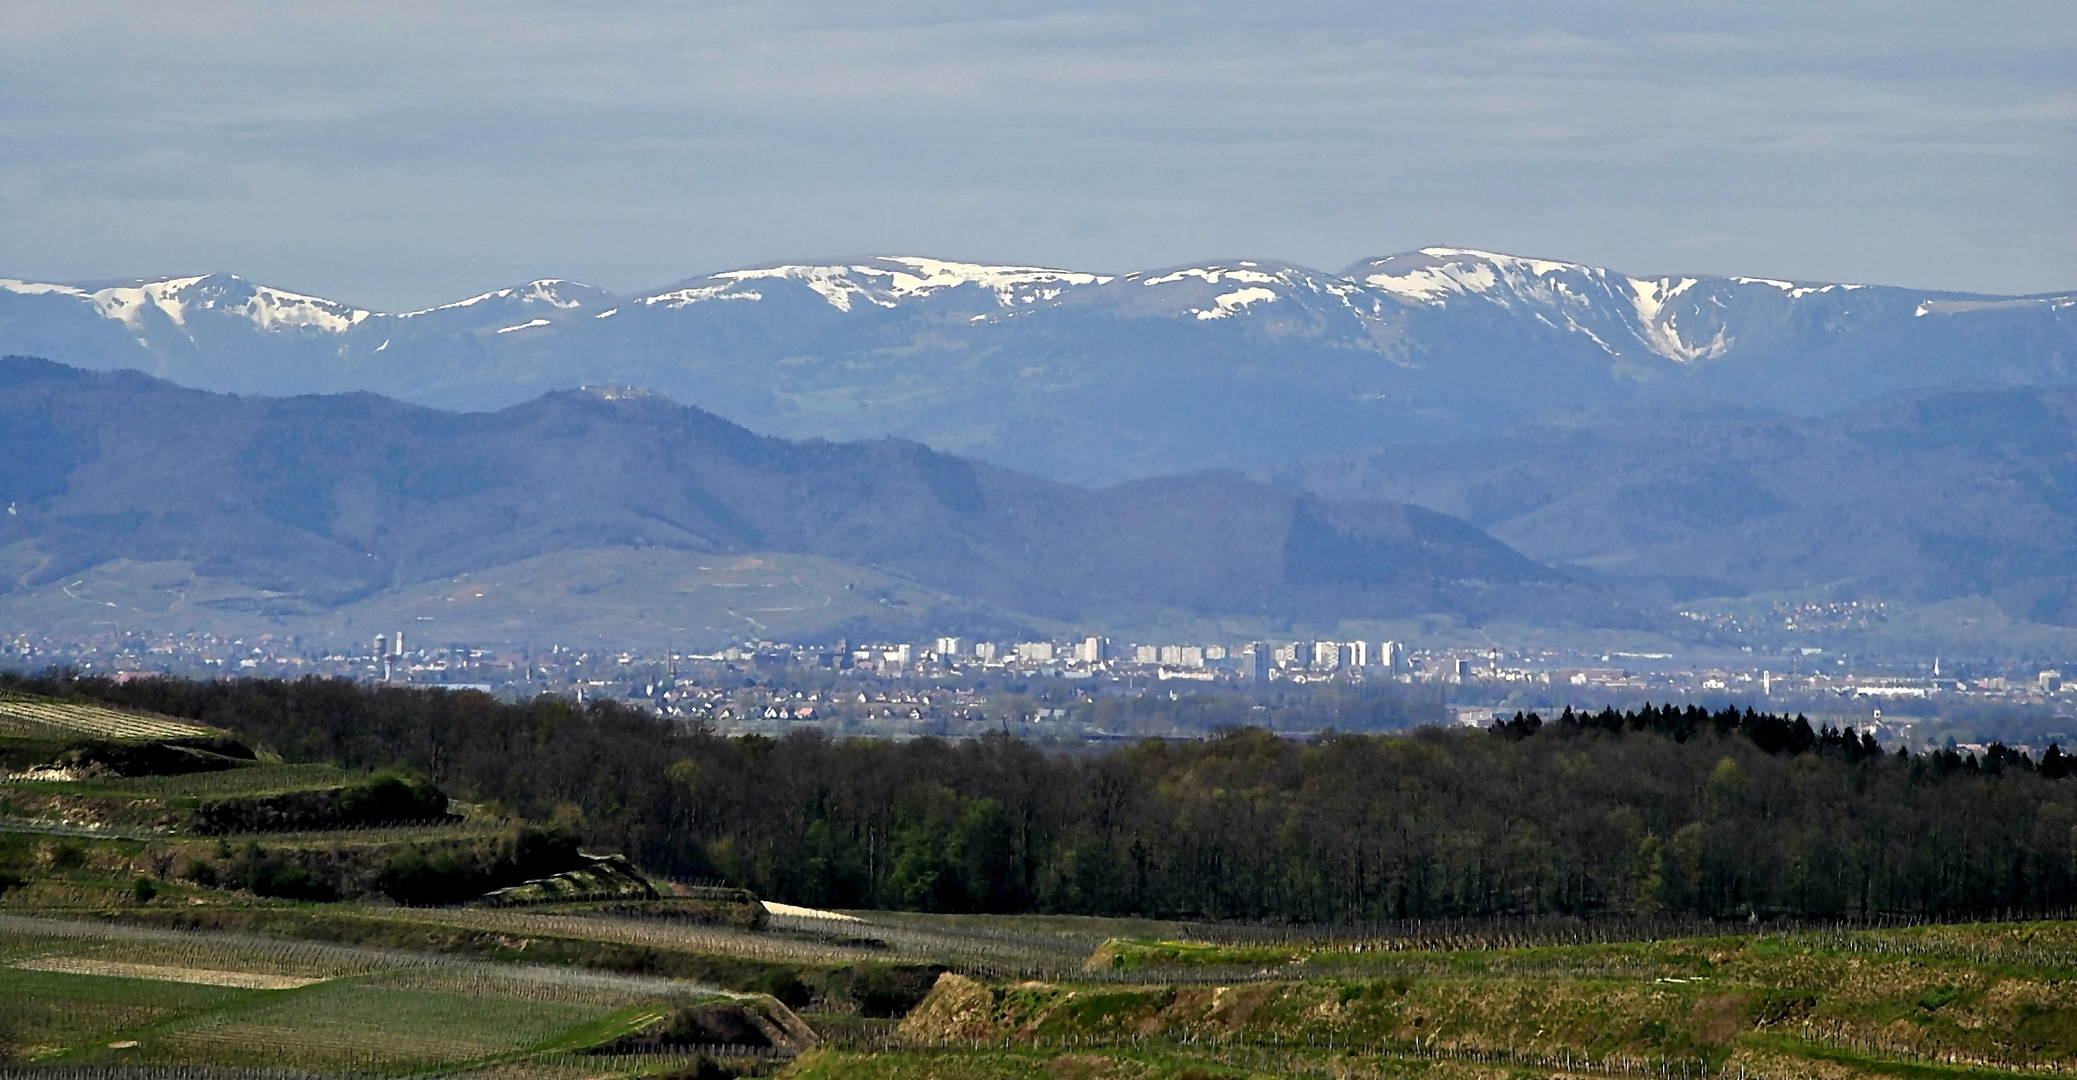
[1660,810]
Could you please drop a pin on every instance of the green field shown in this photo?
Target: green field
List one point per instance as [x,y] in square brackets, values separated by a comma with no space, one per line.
[362,1010]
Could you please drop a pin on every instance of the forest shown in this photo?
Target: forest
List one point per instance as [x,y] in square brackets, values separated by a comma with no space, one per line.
[1659,811]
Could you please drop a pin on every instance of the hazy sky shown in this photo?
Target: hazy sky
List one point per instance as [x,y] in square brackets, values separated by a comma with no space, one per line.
[404,154]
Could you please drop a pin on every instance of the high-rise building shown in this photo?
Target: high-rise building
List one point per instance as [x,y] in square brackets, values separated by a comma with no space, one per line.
[984,650]
[948,647]
[1146,654]
[1391,656]
[1326,655]
[1259,661]
[1093,650]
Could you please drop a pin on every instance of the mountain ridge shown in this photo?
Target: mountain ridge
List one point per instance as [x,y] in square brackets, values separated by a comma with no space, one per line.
[1090,378]
[326,500]
[1921,498]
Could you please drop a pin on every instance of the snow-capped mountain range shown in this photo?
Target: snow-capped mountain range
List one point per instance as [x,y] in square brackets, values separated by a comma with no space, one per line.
[1084,376]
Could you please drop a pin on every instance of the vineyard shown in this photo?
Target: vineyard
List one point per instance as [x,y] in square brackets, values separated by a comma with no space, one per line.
[1980,1000]
[169,912]
[1976,1000]
[38,717]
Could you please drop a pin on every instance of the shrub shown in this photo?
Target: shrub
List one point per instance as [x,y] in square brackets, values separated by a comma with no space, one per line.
[266,873]
[383,797]
[169,757]
[700,1068]
[449,874]
[887,990]
[783,984]
[289,882]
[389,796]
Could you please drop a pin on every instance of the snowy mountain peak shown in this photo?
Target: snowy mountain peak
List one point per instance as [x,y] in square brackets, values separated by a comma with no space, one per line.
[885,281]
[1432,275]
[127,304]
[277,309]
[1675,318]
[559,293]
[1224,290]
[180,299]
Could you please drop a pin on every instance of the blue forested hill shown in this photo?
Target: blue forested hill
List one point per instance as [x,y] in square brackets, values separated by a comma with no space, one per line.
[325,500]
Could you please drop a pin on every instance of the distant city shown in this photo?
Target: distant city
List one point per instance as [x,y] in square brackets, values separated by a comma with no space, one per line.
[958,687]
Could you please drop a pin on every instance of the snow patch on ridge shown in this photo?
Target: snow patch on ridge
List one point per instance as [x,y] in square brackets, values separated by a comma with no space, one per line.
[1795,291]
[1213,274]
[179,299]
[541,291]
[1228,303]
[1266,285]
[1037,282]
[1663,334]
[1467,270]
[1538,267]
[886,281]
[681,297]
[37,288]
[127,303]
[273,309]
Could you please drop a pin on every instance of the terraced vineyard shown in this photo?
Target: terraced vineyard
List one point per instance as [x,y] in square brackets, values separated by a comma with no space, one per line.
[1977,1000]
[40,717]
[167,907]
[224,909]
[263,779]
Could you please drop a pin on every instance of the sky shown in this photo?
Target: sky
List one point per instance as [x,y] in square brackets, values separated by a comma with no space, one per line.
[397,155]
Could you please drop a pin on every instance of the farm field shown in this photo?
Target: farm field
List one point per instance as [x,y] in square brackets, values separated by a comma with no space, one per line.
[140,997]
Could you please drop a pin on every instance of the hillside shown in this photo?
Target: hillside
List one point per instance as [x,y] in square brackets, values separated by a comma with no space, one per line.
[1657,893]
[1085,377]
[311,503]
[1919,499]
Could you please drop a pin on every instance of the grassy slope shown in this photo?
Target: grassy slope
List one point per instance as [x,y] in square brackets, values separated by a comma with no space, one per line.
[1994,997]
